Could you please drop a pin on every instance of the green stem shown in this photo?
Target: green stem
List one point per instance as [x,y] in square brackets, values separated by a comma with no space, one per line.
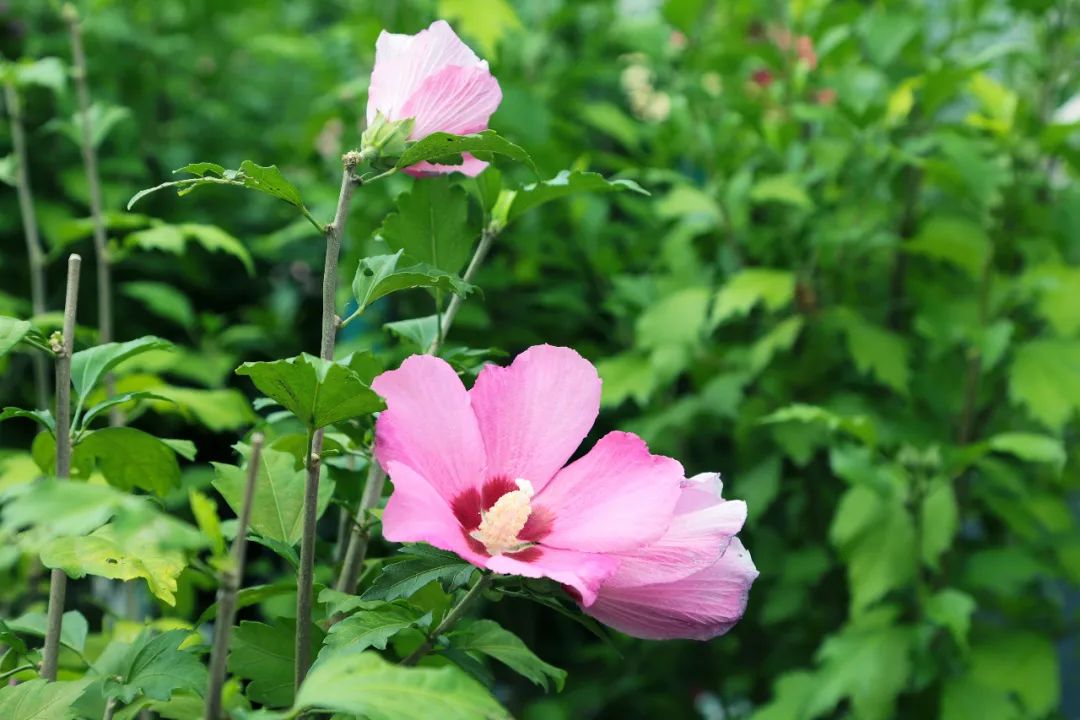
[487,237]
[16,671]
[451,619]
[335,231]
[57,579]
[93,181]
[229,584]
[34,251]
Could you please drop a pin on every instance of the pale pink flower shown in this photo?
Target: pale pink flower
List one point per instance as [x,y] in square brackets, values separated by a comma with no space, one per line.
[481,472]
[434,78]
[691,583]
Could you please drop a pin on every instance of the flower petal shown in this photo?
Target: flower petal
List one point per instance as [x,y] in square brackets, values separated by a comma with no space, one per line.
[417,513]
[534,414]
[698,607]
[584,572]
[456,99]
[404,62]
[429,425]
[618,496]
[471,167]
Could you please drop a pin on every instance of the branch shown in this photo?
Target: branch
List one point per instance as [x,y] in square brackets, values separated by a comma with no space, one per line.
[65,346]
[450,620]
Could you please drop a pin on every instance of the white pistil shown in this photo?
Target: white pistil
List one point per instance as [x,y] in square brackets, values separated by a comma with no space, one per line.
[501,523]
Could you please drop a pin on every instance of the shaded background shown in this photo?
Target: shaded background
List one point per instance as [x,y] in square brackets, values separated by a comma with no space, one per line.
[854,291]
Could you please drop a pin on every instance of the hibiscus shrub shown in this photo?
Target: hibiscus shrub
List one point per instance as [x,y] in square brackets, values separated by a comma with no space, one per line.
[479,356]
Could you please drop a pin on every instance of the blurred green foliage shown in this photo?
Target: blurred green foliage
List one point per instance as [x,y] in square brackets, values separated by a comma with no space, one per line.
[855,291]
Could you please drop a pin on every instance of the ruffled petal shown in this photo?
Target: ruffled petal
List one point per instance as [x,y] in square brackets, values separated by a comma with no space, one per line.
[457,100]
[404,62]
[617,497]
[534,414]
[698,607]
[584,572]
[429,425]
[470,167]
[417,513]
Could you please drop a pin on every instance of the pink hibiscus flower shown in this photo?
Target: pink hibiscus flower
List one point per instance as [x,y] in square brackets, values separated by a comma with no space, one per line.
[691,583]
[434,78]
[481,472]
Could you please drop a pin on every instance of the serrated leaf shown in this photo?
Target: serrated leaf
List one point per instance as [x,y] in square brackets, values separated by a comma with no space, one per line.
[264,654]
[174,239]
[431,225]
[41,700]
[1045,378]
[421,565]
[771,288]
[103,118]
[205,511]
[278,504]
[419,331]
[379,275]
[857,426]
[785,189]
[318,392]
[154,666]
[372,627]
[952,609]
[217,410]
[874,350]
[90,365]
[1020,663]
[955,240]
[63,507]
[566,183]
[365,684]
[445,148]
[130,458]
[489,638]
[102,554]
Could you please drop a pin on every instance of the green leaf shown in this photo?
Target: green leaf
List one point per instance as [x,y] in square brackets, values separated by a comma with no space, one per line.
[251,595]
[773,289]
[55,507]
[567,182]
[43,417]
[858,426]
[217,410]
[626,376]
[318,392]
[365,684]
[964,698]
[372,626]
[940,520]
[101,553]
[1021,663]
[419,331]
[12,331]
[952,609]
[1028,447]
[205,511]
[73,627]
[174,239]
[379,275]
[785,189]
[265,179]
[277,508]
[954,240]
[875,351]
[130,458]
[90,365]
[446,148]
[162,300]
[875,535]
[431,225]
[487,24]
[155,666]
[47,72]
[489,638]
[105,405]
[1054,287]
[1045,378]
[41,700]
[103,118]
[421,565]
[265,655]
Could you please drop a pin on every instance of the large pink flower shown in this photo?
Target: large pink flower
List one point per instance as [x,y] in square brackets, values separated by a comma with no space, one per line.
[481,472]
[434,78]
[693,582]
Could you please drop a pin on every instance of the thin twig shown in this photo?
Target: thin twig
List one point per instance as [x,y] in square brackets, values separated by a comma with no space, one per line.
[450,620]
[361,533]
[58,580]
[110,709]
[15,671]
[229,581]
[34,252]
[93,181]
[335,231]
